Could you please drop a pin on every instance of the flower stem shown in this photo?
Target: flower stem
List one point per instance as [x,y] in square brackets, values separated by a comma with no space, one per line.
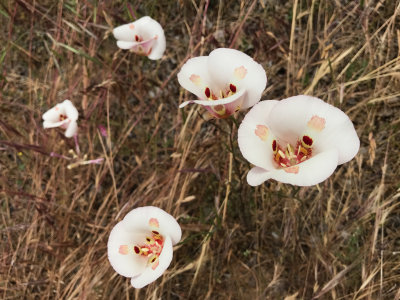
[78,151]
[53,154]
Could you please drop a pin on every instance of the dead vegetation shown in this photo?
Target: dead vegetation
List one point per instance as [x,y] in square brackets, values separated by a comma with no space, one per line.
[337,240]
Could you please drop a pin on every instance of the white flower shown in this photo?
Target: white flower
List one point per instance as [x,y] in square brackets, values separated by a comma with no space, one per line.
[299,140]
[225,81]
[145,36]
[140,246]
[62,115]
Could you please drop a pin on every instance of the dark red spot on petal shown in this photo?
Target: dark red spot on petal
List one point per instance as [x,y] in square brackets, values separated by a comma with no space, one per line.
[155,232]
[153,259]
[274,147]
[136,249]
[136,38]
[207,92]
[232,88]
[307,140]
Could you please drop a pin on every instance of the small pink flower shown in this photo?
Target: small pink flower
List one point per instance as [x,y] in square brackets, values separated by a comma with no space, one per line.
[225,81]
[140,246]
[299,140]
[145,36]
[62,115]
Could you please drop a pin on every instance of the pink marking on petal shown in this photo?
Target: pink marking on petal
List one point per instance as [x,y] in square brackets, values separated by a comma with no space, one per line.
[240,72]
[123,249]
[262,132]
[56,108]
[316,123]
[292,169]
[195,79]
[153,222]
[131,26]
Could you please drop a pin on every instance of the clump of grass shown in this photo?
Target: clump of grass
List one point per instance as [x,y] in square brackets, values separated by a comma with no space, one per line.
[337,240]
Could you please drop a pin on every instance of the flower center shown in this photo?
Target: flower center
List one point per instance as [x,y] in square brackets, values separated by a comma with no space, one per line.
[62,117]
[143,47]
[138,38]
[151,248]
[224,93]
[292,156]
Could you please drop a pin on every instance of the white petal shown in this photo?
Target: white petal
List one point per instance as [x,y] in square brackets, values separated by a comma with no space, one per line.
[255,149]
[227,100]
[130,264]
[126,45]
[47,124]
[339,133]
[257,176]
[149,275]
[70,110]
[194,76]
[148,28]
[72,129]
[289,120]
[155,30]
[52,115]
[145,28]
[125,32]
[142,218]
[311,172]
[222,64]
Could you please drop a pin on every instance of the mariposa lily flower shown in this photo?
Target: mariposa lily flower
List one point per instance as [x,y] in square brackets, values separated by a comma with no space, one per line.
[225,81]
[299,140]
[140,246]
[62,115]
[145,36]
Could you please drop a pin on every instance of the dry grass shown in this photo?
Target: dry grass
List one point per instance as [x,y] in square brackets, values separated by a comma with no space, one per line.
[337,240]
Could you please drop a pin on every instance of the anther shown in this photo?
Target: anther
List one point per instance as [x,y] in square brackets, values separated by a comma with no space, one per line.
[207,92]
[307,141]
[137,250]
[281,154]
[274,146]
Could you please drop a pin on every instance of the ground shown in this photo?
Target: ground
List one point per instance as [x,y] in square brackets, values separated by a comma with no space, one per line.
[336,240]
